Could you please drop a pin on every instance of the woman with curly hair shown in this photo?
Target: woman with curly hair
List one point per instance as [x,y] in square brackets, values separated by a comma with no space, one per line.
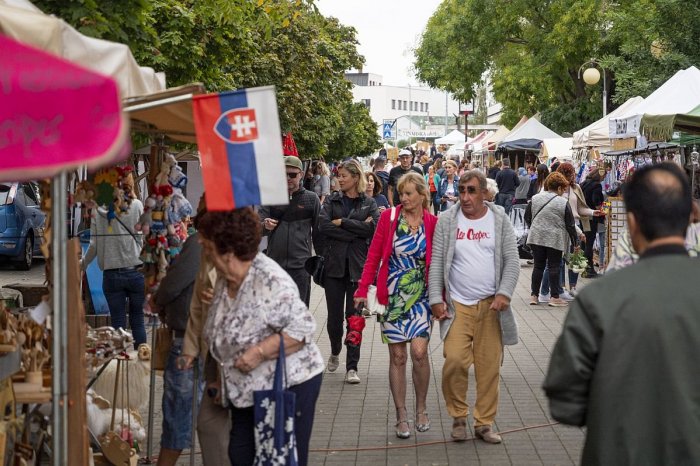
[551,219]
[255,301]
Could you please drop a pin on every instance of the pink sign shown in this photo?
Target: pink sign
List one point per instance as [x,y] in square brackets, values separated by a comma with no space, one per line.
[55,115]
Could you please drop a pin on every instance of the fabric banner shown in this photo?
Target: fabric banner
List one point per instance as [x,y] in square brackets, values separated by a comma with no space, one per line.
[240,146]
[55,115]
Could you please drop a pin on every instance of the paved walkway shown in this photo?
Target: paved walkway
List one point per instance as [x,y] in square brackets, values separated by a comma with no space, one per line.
[355,423]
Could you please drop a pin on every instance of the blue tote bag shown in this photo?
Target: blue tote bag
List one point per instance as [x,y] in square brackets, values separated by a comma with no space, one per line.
[275,442]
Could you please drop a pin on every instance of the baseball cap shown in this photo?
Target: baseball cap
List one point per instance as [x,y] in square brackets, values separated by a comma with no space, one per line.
[404,152]
[292,161]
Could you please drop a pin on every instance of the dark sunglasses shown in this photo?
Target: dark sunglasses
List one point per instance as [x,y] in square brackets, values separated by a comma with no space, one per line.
[292,175]
[468,189]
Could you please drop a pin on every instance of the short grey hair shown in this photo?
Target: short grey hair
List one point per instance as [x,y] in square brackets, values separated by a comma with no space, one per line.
[471,174]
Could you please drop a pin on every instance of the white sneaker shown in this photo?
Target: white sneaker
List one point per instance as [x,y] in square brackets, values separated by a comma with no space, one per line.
[333,363]
[351,377]
[566,296]
[573,292]
[543,298]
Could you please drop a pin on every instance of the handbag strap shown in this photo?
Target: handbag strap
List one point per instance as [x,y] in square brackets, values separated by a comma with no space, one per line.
[281,369]
[542,208]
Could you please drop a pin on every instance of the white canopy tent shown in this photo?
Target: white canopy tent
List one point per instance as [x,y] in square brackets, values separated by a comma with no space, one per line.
[597,134]
[22,21]
[455,137]
[556,147]
[680,94]
[531,129]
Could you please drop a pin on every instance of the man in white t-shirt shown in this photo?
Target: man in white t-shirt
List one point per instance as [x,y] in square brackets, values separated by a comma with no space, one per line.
[473,274]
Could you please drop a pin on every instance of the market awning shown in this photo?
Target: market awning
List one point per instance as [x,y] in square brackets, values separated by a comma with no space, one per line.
[522,144]
[167,112]
[664,126]
[24,22]
[641,150]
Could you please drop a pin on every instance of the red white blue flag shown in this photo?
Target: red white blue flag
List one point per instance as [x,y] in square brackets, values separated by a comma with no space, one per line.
[240,146]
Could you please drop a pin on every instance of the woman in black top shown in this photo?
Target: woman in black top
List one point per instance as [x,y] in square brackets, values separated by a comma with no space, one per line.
[374,190]
[347,222]
[593,192]
[537,186]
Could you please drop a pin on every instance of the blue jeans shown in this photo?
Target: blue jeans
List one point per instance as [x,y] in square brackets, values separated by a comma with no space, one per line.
[118,286]
[178,388]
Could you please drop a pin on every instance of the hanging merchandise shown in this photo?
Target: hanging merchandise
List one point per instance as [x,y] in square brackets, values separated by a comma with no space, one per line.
[162,222]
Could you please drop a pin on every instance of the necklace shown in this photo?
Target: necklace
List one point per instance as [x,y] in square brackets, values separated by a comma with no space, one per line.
[413,226]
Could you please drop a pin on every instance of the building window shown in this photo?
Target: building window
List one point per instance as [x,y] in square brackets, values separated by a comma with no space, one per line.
[421,106]
[393,104]
[426,106]
[367,102]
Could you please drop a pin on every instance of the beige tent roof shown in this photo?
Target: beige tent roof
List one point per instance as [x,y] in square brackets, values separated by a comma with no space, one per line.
[495,137]
[167,112]
[22,21]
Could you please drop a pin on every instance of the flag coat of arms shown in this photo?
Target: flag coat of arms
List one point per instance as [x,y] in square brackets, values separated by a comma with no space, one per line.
[240,146]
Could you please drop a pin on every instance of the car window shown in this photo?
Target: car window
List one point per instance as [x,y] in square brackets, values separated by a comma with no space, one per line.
[4,193]
[29,195]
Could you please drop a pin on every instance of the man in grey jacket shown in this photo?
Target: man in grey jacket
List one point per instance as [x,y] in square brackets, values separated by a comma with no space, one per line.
[473,274]
[290,228]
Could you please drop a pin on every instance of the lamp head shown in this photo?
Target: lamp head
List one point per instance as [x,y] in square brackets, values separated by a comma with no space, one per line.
[591,76]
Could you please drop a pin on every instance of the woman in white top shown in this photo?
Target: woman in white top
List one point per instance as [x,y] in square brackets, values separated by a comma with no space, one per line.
[255,301]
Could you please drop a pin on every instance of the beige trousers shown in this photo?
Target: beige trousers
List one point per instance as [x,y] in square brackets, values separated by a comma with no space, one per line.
[213,430]
[474,338]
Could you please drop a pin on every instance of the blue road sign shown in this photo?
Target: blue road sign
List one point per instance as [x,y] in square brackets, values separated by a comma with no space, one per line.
[386,130]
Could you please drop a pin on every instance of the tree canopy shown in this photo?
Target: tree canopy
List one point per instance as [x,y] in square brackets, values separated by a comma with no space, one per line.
[532,51]
[227,44]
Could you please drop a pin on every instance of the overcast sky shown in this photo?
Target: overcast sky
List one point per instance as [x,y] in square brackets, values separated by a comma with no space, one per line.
[387,30]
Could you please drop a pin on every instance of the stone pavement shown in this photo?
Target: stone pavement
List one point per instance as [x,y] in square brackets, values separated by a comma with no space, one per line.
[354,424]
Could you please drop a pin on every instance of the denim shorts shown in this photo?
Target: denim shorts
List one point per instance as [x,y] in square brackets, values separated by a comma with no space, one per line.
[177,402]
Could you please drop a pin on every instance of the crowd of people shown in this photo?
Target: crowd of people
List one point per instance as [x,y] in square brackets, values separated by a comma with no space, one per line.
[415,233]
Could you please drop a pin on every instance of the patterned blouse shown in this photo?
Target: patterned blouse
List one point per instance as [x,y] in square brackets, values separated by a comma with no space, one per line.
[624,254]
[267,302]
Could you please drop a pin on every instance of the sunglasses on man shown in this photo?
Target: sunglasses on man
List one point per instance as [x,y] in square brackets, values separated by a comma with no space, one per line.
[467,189]
[291,176]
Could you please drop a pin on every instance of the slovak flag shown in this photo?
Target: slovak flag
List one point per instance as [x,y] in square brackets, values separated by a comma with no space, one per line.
[238,133]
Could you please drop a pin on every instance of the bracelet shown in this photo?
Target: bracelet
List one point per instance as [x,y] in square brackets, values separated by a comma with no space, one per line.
[262,355]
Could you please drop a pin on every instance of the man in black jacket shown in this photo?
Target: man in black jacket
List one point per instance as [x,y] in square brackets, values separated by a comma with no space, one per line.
[406,166]
[626,363]
[291,229]
[507,180]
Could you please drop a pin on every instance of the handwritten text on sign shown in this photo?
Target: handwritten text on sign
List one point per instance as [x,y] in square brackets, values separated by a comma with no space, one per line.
[54,115]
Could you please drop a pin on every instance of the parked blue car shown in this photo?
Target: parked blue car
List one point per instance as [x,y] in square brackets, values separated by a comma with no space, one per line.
[21,223]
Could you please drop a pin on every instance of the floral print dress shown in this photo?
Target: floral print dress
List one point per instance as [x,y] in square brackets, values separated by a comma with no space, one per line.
[408,312]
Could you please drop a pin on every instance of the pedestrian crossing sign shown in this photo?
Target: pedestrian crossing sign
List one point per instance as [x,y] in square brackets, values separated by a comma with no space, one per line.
[386,130]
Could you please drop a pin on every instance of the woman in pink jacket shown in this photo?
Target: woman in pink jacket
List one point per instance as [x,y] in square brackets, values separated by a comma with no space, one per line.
[399,259]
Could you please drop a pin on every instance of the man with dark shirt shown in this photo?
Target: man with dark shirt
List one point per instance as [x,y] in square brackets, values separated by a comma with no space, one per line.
[405,166]
[493,171]
[507,180]
[380,171]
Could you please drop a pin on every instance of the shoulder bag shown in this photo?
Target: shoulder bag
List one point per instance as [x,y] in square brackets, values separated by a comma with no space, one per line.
[273,411]
[372,304]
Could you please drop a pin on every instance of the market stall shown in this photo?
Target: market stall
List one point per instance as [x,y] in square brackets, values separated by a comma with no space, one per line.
[594,139]
[680,94]
[523,144]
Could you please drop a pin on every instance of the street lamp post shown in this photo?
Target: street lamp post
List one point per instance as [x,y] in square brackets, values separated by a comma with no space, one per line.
[591,76]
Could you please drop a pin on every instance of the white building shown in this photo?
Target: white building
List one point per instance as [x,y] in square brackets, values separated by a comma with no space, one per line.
[411,105]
